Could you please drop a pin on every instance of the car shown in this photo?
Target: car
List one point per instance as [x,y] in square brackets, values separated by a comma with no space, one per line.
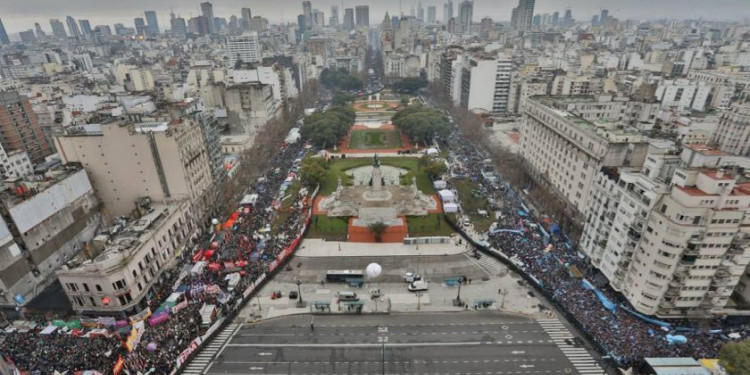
[411,277]
[418,286]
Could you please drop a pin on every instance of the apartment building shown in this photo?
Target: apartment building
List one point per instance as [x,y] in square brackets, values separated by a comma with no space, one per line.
[485,83]
[733,132]
[567,151]
[121,265]
[245,47]
[43,224]
[20,129]
[128,159]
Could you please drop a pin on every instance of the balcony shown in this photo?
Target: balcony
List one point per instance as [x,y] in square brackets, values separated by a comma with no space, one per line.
[634,236]
[672,292]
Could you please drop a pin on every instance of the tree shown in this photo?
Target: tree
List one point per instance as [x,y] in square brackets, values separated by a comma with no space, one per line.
[410,85]
[327,128]
[435,168]
[421,123]
[378,229]
[341,99]
[735,357]
[313,171]
[340,79]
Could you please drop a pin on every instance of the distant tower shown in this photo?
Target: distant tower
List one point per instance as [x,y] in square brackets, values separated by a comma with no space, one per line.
[208,11]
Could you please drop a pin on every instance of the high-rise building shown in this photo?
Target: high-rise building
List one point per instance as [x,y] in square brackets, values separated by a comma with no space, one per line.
[178,26]
[103,29]
[85,28]
[247,15]
[73,27]
[447,11]
[27,36]
[140,26]
[243,47]
[522,16]
[39,32]
[3,34]
[348,19]
[733,131]
[318,18]
[334,20]
[58,28]
[20,129]
[465,16]
[568,20]
[431,14]
[198,25]
[603,17]
[152,22]
[207,10]
[420,12]
[307,12]
[362,15]
[485,84]
[555,18]
[486,25]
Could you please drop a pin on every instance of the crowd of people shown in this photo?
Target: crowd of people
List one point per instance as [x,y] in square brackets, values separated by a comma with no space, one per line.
[625,337]
[248,245]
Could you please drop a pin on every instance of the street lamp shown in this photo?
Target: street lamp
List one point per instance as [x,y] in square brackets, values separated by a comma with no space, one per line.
[503,292]
[458,297]
[300,302]
[419,299]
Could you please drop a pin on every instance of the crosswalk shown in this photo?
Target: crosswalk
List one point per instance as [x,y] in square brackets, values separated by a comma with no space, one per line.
[492,266]
[200,363]
[578,356]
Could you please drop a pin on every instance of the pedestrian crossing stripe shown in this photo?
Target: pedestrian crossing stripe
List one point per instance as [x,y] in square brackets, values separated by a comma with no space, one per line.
[579,357]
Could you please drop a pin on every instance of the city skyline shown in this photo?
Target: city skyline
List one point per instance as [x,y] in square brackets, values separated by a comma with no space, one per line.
[25,14]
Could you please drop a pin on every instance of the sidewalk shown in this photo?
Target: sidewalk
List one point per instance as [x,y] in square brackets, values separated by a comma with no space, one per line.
[321,248]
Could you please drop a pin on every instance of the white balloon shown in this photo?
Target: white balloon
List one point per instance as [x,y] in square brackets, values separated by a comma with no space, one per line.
[373,270]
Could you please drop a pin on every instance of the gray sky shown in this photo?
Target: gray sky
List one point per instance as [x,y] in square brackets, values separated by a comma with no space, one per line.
[19,15]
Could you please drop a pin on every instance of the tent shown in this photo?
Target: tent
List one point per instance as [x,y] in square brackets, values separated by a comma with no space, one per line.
[447,196]
[48,330]
[439,184]
[431,151]
[198,268]
[450,207]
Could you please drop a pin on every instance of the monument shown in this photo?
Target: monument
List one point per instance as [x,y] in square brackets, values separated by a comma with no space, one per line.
[379,198]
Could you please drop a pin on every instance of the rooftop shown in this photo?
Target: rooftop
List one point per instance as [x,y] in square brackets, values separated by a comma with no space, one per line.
[17,191]
[705,149]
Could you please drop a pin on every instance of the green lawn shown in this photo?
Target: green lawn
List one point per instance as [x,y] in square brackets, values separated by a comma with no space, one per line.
[430,225]
[328,228]
[471,202]
[375,139]
[338,167]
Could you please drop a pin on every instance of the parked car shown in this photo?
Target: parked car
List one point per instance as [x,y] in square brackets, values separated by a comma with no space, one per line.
[411,277]
[418,286]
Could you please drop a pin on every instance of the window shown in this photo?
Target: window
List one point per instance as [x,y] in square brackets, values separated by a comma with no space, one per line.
[86,287]
[98,288]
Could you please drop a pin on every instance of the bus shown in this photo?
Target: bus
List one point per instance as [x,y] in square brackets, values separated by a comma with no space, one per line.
[344,276]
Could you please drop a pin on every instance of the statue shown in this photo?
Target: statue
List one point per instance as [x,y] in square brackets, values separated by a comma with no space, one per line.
[375,161]
[338,186]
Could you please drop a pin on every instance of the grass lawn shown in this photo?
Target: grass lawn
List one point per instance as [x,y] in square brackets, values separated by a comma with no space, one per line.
[338,167]
[328,228]
[430,225]
[470,203]
[375,139]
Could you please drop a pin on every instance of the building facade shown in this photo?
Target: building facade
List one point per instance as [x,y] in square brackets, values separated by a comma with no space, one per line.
[732,135]
[20,129]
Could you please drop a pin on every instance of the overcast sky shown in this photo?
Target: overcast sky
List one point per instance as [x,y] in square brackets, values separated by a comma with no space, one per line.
[19,15]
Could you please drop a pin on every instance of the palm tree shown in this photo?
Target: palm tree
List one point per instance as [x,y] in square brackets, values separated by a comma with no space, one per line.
[377,230]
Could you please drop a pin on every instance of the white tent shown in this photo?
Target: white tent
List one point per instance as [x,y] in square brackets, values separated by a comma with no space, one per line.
[450,208]
[431,151]
[439,184]
[48,330]
[198,268]
[447,196]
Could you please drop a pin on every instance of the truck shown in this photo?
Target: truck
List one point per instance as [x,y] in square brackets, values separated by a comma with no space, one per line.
[418,286]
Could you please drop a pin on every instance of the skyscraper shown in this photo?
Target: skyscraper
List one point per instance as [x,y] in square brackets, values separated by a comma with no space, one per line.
[73,27]
[334,20]
[465,15]
[39,32]
[152,22]
[140,26]
[85,28]
[307,12]
[3,34]
[431,14]
[247,15]
[568,20]
[207,10]
[604,17]
[555,18]
[522,15]
[362,15]
[178,26]
[447,11]
[420,12]
[348,19]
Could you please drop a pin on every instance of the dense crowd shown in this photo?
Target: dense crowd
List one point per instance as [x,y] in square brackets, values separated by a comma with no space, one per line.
[625,337]
[247,247]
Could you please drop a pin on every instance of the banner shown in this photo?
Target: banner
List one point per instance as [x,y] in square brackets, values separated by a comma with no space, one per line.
[190,349]
[179,306]
[158,319]
[212,289]
[272,266]
[141,316]
[135,336]
[119,365]
[107,321]
[89,322]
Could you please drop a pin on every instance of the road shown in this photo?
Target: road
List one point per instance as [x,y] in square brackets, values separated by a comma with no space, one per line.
[457,343]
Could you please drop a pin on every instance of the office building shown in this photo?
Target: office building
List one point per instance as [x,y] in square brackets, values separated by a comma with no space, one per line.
[604,17]
[247,15]
[447,11]
[3,34]
[140,26]
[348,19]
[420,12]
[431,14]
[121,265]
[465,16]
[152,23]
[43,224]
[485,84]
[178,26]
[20,129]
[243,47]
[207,11]
[85,28]
[198,25]
[73,27]
[27,36]
[39,32]
[318,18]
[307,12]
[522,16]
[568,20]
[334,20]
[733,132]
[362,15]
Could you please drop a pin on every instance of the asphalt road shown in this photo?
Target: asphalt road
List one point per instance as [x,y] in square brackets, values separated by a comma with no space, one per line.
[457,343]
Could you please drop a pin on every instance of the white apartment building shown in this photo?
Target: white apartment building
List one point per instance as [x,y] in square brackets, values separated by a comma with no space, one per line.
[119,269]
[726,85]
[733,132]
[245,47]
[683,94]
[279,77]
[134,78]
[129,160]
[486,84]
[695,246]
[567,151]
[576,85]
